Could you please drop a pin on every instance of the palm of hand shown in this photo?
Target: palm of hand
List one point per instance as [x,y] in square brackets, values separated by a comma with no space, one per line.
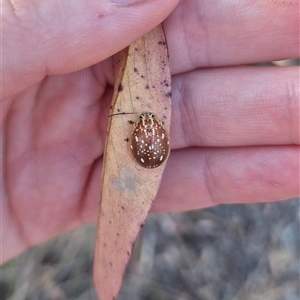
[55,140]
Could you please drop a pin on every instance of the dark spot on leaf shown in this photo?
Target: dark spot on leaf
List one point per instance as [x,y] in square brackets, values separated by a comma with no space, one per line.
[147,87]
[166,84]
[122,207]
[153,86]
[142,76]
[118,110]
[162,43]
[132,245]
[135,70]
[166,108]
[109,221]
[137,97]
[136,49]
[130,122]
[110,263]
[168,95]
[118,234]
[126,140]
[120,88]
[141,226]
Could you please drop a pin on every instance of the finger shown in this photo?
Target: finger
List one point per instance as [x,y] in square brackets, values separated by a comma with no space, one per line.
[57,37]
[199,178]
[236,107]
[219,33]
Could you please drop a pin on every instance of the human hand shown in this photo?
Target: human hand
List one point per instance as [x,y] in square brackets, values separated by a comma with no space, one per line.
[235,130]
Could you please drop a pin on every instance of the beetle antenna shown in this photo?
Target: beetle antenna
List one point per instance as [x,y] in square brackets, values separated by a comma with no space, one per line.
[121,113]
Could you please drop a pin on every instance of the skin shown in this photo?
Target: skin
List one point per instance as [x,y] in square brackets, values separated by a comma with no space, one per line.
[235,131]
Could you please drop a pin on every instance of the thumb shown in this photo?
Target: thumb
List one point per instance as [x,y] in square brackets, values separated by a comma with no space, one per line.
[57,37]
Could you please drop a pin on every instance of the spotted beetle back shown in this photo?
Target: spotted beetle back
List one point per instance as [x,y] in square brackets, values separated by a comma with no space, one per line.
[149,141]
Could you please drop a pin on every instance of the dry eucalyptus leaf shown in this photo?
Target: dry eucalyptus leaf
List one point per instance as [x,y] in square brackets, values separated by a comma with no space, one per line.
[143,84]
